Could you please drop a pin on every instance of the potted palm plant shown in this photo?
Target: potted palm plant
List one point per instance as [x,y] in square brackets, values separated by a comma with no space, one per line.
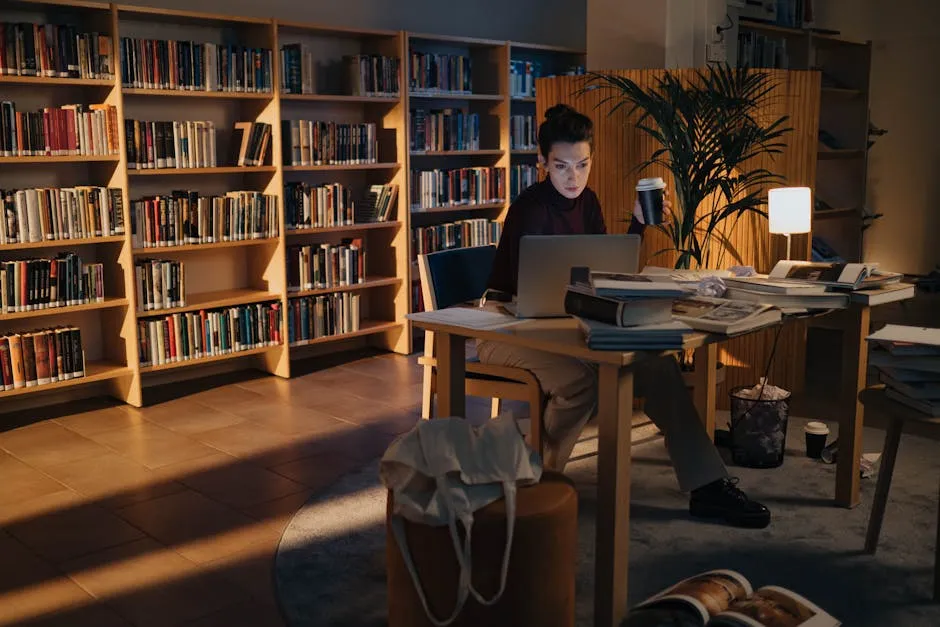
[710,137]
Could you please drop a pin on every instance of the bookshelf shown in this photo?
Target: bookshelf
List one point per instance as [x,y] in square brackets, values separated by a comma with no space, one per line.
[842,159]
[227,253]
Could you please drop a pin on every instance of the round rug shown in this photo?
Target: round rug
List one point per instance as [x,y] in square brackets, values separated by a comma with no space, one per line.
[330,564]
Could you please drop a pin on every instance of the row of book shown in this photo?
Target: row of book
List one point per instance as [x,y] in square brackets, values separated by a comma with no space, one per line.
[50,213]
[326,265]
[67,130]
[523,132]
[41,357]
[363,74]
[312,317]
[430,73]
[32,284]
[160,283]
[521,176]
[907,360]
[159,144]
[458,186]
[762,51]
[189,335]
[438,130]
[184,217]
[195,66]
[311,142]
[459,234]
[318,206]
[54,51]
[522,75]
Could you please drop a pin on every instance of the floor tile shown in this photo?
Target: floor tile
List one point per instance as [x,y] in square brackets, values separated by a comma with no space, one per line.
[22,511]
[111,476]
[47,444]
[152,585]
[72,532]
[244,439]
[91,423]
[195,526]
[21,482]
[251,615]
[241,484]
[187,417]
[152,445]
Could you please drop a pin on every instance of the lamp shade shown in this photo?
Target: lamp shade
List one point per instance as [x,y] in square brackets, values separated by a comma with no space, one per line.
[790,210]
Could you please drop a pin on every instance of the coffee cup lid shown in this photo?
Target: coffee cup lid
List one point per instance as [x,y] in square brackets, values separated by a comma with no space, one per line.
[818,428]
[650,183]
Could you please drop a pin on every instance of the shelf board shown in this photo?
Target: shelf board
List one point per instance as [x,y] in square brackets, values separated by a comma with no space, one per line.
[161,250]
[60,159]
[214,300]
[232,169]
[49,81]
[454,39]
[94,371]
[545,48]
[58,243]
[452,208]
[369,283]
[772,28]
[366,327]
[456,95]
[340,98]
[58,311]
[312,28]
[340,167]
[842,91]
[495,152]
[525,151]
[207,360]
[841,153]
[362,226]
[183,93]
[176,16]
[822,214]
[523,98]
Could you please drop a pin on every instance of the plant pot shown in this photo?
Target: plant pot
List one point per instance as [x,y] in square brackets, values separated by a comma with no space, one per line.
[688,376]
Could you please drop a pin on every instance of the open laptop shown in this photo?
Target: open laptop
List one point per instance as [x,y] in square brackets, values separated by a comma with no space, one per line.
[545,263]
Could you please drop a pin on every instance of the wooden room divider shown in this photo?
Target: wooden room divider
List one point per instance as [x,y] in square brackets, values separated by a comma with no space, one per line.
[619,149]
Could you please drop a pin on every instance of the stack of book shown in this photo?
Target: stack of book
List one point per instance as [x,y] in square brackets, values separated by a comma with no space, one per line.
[908,363]
[819,285]
[653,312]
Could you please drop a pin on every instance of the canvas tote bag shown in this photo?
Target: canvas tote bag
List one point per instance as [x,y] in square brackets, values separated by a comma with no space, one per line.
[445,469]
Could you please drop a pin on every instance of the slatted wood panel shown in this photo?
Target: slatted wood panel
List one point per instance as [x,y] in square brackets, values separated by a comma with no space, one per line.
[620,148]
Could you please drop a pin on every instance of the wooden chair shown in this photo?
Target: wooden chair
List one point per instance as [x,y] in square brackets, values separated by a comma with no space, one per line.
[453,277]
[875,398]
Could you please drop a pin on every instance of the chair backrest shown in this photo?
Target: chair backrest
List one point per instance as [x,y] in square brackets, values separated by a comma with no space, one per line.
[451,277]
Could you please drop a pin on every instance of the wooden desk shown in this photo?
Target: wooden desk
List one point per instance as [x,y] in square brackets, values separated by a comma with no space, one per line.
[615,400]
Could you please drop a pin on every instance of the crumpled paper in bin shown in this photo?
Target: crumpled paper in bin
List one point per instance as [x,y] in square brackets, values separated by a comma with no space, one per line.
[763,390]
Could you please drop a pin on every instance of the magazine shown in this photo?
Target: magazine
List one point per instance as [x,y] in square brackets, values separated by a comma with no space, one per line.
[718,315]
[726,598]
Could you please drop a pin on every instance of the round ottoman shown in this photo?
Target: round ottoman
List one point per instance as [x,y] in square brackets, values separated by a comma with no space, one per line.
[541,579]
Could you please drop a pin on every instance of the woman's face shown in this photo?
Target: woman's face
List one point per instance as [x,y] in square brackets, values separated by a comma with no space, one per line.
[568,167]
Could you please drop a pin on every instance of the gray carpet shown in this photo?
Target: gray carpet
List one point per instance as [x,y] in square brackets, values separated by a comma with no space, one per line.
[329,568]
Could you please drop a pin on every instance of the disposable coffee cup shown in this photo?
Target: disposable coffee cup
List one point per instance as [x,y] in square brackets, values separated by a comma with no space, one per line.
[816,435]
[650,193]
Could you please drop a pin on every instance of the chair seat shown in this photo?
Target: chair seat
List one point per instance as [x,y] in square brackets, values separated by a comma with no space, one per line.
[488,372]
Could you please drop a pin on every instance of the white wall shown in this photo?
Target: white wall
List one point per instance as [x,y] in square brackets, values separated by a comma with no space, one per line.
[558,22]
[904,183]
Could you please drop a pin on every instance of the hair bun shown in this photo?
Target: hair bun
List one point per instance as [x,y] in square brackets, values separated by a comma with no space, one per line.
[558,110]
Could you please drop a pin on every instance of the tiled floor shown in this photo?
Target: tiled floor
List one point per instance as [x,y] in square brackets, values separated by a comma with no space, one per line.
[170,515]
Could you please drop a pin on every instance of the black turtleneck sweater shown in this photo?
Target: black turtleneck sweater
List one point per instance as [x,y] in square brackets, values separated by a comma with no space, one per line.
[541,210]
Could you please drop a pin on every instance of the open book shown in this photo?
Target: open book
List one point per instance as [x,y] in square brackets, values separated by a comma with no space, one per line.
[718,315]
[851,276]
[726,598]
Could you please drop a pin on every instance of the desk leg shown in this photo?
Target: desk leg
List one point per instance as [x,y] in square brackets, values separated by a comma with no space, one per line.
[451,371]
[615,403]
[705,394]
[852,416]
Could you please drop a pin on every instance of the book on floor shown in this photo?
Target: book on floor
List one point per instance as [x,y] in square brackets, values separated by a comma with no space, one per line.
[718,315]
[726,598]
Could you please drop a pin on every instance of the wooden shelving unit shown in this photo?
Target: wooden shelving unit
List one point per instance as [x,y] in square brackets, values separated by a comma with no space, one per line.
[250,271]
[841,191]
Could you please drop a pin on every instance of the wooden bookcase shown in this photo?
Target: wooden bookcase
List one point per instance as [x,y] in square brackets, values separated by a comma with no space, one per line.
[256,270]
[842,160]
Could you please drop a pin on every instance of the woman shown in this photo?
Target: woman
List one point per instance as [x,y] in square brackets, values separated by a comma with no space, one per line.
[563,204]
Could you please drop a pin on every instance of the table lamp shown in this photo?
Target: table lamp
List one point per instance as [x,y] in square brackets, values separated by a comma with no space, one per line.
[790,211]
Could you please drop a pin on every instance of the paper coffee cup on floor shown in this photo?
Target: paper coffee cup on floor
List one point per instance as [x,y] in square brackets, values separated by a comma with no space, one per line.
[650,194]
[816,435]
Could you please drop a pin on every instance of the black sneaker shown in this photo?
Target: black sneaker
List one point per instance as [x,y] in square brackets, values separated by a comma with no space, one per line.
[723,499]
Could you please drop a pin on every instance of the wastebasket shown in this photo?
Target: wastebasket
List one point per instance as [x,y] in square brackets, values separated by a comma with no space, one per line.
[759,416]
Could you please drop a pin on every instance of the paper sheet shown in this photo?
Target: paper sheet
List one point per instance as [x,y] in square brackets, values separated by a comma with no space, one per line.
[468,317]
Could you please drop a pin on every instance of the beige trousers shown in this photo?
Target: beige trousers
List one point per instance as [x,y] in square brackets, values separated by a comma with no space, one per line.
[570,386]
